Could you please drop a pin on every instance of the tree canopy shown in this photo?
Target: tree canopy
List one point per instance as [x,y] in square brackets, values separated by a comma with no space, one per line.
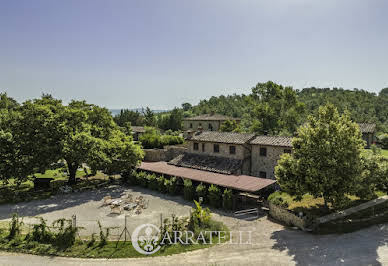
[40,132]
[326,159]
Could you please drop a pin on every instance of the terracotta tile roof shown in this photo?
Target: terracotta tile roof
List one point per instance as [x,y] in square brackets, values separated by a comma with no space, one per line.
[367,128]
[272,141]
[138,129]
[222,137]
[207,163]
[215,117]
[238,182]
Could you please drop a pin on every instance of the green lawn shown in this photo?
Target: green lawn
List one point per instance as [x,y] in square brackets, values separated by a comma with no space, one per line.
[81,249]
[9,192]
[384,153]
[315,206]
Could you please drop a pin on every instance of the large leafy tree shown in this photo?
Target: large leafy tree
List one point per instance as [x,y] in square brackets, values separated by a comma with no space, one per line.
[7,103]
[91,136]
[42,131]
[171,121]
[149,117]
[275,108]
[326,159]
[29,138]
[128,116]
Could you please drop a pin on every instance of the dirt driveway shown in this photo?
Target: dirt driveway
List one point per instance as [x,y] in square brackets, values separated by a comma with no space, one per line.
[272,244]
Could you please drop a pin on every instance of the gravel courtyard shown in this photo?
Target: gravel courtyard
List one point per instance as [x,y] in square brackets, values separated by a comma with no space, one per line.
[88,208]
[272,244]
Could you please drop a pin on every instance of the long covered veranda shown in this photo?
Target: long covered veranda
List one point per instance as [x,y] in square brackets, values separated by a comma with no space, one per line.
[247,187]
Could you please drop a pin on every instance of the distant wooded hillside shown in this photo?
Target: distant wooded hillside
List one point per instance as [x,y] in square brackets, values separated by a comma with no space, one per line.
[363,106]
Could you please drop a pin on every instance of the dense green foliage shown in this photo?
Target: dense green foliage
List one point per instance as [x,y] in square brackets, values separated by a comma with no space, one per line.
[152,139]
[227,199]
[128,116]
[214,196]
[201,192]
[326,159]
[277,199]
[188,190]
[289,112]
[40,132]
[230,126]
[364,106]
[171,120]
[383,140]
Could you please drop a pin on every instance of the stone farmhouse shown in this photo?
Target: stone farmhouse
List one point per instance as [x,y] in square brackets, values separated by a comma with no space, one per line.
[244,162]
[236,153]
[207,122]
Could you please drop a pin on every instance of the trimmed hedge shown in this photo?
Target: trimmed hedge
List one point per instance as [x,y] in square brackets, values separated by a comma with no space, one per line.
[170,185]
[200,191]
[188,191]
[161,187]
[227,199]
[214,196]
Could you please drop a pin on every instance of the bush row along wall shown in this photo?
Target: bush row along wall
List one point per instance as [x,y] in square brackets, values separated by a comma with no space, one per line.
[212,194]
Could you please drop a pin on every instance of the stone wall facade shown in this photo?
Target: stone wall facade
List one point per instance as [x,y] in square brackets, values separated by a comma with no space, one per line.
[242,152]
[287,217]
[266,163]
[205,125]
[166,154]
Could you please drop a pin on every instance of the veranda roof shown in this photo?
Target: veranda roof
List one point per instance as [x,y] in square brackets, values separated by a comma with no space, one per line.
[238,182]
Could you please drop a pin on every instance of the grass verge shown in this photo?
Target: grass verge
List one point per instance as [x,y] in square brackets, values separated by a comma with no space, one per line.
[82,249]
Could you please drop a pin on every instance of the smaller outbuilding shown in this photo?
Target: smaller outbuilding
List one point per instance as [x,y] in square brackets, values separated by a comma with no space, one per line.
[368,133]
[208,122]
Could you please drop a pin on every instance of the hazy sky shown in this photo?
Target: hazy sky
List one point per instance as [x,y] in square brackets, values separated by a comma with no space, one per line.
[160,53]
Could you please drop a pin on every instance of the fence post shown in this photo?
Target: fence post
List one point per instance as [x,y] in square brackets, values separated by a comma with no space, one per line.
[74,221]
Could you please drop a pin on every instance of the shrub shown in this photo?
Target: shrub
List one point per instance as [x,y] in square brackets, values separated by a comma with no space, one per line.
[277,199]
[41,233]
[214,196]
[103,236]
[199,218]
[151,139]
[129,177]
[170,185]
[171,140]
[142,179]
[383,140]
[152,182]
[188,192]
[200,191]
[227,199]
[92,241]
[66,233]
[161,187]
[15,227]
